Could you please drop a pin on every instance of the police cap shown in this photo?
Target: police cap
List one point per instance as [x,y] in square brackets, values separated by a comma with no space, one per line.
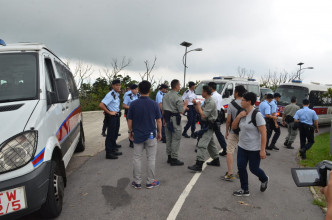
[163,86]
[116,81]
[133,86]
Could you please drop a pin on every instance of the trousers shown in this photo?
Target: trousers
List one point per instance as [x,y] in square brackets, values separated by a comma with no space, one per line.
[270,127]
[206,142]
[191,123]
[113,126]
[291,133]
[150,145]
[253,158]
[173,139]
[306,136]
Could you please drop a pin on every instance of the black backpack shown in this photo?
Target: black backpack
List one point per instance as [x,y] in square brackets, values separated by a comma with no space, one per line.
[253,117]
[239,109]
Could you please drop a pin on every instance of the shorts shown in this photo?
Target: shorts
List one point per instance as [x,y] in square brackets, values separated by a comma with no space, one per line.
[232,142]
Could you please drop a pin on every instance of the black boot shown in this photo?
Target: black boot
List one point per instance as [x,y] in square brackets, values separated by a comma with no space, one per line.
[118,146]
[193,136]
[289,146]
[131,145]
[285,143]
[197,167]
[214,162]
[303,153]
[169,159]
[176,162]
[111,156]
[184,134]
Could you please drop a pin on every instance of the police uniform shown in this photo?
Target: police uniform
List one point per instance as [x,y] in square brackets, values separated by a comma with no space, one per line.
[112,102]
[159,99]
[172,106]
[127,101]
[272,127]
[266,109]
[220,137]
[206,141]
[191,113]
[289,113]
[306,117]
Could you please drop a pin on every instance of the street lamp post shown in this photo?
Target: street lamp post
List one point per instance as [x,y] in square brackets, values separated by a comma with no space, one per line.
[184,59]
[298,73]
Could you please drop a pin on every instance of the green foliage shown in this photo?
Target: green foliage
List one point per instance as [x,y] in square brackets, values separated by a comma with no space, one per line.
[319,203]
[319,151]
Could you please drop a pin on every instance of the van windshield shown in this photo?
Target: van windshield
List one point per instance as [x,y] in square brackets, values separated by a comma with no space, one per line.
[198,90]
[287,91]
[18,76]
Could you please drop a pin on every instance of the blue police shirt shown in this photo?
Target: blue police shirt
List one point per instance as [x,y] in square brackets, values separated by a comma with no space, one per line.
[274,106]
[130,98]
[112,101]
[159,97]
[126,94]
[143,112]
[265,108]
[306,115]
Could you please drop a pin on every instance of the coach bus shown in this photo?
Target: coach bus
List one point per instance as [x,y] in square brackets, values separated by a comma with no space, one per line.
[315,92]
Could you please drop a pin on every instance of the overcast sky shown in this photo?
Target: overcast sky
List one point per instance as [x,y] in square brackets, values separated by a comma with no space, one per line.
[258,35]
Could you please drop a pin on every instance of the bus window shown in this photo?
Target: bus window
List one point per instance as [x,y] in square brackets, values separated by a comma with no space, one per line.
[287,91]
[318,98]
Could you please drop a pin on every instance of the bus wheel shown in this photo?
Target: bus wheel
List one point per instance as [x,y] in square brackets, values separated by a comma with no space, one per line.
[53,205]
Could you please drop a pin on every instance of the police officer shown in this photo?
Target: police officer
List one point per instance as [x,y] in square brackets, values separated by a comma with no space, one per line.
[111,106]
[103,132]
[128,100]
[288,117]
[265,109]
[209,114]
[218,99]
[191,112]
[306,118]
[172,106]
[159,99]
[274,126]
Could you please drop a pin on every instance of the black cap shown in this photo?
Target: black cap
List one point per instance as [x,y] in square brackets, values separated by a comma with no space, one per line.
[116,81]
[277,95]
[133,86]
[163,86]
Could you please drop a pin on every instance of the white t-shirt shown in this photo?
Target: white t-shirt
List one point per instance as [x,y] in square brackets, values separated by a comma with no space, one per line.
[217,99]
[249,137]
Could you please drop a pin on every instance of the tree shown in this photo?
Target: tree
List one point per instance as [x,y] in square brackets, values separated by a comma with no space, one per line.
[244,73]
[147,75]
[274,79]
[81,73]
[117,67]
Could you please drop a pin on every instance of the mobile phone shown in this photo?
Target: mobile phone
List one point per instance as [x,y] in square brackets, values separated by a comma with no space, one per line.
[307,177]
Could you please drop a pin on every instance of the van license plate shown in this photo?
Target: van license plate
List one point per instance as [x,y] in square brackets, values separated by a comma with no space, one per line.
[12,200]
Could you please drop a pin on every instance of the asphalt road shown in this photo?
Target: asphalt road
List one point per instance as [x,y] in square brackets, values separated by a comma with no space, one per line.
[100,189]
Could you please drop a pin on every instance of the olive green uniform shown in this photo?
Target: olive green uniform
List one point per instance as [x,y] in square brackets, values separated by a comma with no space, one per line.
[173,102]
[291,109]
[206,141]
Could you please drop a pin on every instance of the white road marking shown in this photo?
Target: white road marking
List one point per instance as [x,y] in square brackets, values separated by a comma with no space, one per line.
[182,198]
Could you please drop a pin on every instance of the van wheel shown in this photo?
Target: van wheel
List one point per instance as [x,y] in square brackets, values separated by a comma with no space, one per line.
[81,143]
[53,205]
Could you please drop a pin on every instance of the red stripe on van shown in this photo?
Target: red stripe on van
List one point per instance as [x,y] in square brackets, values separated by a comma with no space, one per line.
[70,122]
[321,111]
[39,157]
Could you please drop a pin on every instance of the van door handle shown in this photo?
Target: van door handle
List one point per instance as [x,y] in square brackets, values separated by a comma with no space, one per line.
[67,107]
[63,109]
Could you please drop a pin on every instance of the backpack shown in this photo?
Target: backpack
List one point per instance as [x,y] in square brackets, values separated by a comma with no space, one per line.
[253,117]
[239,109]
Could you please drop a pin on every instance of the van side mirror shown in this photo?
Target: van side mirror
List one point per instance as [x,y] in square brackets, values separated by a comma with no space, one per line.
[61,90]
[226,94]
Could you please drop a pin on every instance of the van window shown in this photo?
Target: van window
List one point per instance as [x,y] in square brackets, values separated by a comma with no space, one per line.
[66,75]
[230,89]
[254,89]
[18,76]
[49,75]
[220,87]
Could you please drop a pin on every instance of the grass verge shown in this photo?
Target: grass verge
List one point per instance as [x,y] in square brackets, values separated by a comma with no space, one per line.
[318,152]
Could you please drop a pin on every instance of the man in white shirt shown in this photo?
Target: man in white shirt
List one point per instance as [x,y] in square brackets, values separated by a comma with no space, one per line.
[191,112]
[218,98]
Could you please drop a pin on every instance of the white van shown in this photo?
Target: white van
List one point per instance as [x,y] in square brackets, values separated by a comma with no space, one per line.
[41,127]
[226,86]
[315,92]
